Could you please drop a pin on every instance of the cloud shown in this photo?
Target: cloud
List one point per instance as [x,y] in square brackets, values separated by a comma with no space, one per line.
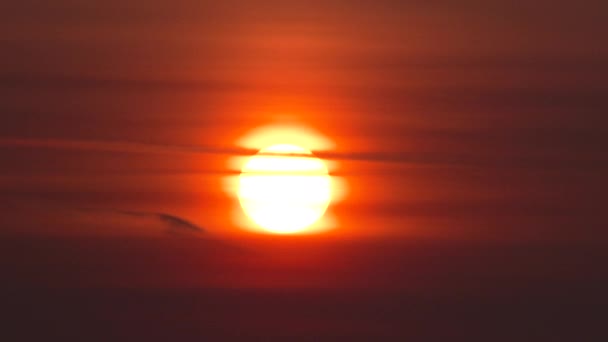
[142,147]
[151,220]
[442,158]
[175,224]
[36,216]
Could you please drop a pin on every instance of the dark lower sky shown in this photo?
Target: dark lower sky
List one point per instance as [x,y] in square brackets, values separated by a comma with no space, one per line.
[467,135]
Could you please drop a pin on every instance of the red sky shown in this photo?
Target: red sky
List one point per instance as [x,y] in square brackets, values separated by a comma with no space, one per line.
[469,137]
[475,119]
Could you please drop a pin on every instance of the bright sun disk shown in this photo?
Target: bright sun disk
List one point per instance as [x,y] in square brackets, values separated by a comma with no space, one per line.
[284,188]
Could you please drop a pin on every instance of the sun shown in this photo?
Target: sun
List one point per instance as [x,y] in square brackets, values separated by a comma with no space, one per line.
[284,189]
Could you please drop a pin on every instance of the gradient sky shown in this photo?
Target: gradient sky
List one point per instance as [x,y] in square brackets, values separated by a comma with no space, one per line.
[469,137]
[459,119]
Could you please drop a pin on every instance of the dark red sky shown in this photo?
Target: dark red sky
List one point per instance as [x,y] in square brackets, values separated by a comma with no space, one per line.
[471,136]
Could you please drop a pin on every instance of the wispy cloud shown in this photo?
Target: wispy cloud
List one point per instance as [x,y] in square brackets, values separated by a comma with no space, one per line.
[117,146]
[418,158]
[34,215]
[175,224]
[172,224]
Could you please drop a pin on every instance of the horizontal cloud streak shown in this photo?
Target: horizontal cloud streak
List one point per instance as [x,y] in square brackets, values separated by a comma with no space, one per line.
[423,158]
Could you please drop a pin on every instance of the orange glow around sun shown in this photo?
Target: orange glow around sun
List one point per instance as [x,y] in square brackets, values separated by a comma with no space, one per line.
[284,189]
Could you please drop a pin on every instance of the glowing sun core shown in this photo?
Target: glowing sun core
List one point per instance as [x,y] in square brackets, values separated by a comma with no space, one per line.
[284,189]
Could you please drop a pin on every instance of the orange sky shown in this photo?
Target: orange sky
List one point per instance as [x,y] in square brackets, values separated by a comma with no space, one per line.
[447,121]
[468,138]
